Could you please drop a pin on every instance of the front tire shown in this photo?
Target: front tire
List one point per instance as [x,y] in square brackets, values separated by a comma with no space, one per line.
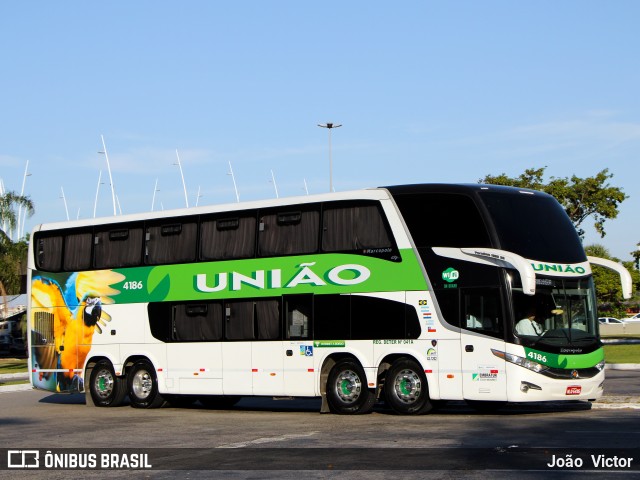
[143,386]
[405,388]
[107,390]
[347,391]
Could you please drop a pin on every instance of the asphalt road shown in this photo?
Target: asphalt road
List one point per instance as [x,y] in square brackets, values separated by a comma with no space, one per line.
[265,438]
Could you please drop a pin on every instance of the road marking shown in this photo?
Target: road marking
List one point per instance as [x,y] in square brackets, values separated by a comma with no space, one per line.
[259,441]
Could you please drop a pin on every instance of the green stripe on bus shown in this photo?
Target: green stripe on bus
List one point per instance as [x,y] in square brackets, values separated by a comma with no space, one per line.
[553,360]
[265,277]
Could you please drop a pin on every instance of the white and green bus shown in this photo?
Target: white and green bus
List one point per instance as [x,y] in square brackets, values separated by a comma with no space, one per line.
[410,294]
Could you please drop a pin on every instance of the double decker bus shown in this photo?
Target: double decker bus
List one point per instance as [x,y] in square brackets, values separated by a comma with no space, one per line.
[412,294]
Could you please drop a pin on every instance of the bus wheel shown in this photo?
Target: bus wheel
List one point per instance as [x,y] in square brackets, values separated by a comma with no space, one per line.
[218,401]
[143,386]
[106,389]
[347,390]
[405,388]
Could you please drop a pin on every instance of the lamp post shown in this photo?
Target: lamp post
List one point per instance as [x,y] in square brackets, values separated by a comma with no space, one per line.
[184,185]
[113,192]
[21,221]
[330,126]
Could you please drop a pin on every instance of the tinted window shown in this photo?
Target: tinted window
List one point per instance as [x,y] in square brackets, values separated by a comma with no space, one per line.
[197,322]
[77,252]
[376,318]
[288,232]
[49,253]
[171,243]
[118,247]
[356,227]
[532,225]
[443,220]
[332,317]
[268,319]
[239,320]
[228,238]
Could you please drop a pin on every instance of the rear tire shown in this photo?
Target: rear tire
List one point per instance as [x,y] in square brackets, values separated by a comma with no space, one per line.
[143,386]
[107,390]
[405,388]
[347,391]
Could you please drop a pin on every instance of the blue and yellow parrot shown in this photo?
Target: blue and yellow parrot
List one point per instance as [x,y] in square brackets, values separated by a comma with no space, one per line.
[75,312]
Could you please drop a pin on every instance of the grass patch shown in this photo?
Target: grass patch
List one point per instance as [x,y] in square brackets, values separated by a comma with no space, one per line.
[622,353]
[13,365]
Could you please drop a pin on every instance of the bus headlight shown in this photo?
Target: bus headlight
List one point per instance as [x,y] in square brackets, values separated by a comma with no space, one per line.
[520,361]
[600,366]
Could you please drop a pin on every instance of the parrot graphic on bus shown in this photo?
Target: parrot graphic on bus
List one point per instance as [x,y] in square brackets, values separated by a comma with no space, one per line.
[64,320]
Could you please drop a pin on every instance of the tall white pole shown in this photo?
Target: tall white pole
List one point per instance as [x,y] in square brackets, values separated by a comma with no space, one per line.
[330,126]
[153,199]
[95,203]
[305,186]
[184,185]
[198,196]
[113,192]
[24,180]
[64,199]
[235,187]
[273,179]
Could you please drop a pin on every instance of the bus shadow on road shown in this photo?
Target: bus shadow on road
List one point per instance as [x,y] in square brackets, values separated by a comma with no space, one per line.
[310,405]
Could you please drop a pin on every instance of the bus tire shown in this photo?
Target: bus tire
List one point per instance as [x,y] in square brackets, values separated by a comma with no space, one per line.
[405,388]
[347,391]
[221,402]
[107,390]
[142,383]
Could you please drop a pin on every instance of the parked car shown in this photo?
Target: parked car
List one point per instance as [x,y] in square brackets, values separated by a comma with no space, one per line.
[635,318]
[609,321]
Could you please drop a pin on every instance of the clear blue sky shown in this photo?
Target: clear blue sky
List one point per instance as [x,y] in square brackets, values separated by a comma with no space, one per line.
[426,92]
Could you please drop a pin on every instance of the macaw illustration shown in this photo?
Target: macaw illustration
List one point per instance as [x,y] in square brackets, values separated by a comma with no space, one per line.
[64,321]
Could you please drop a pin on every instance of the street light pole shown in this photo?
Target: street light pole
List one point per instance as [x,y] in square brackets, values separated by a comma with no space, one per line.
[113,192]
[330,126]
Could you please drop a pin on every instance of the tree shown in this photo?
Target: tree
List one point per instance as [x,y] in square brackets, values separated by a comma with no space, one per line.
[8,203]
[608,288]
[13,256]
[580,197]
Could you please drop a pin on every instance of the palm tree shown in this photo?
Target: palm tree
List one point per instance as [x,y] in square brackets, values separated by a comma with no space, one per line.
[12,255]
[8,203]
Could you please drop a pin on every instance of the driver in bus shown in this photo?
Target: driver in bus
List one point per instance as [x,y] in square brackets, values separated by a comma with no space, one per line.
[529,325]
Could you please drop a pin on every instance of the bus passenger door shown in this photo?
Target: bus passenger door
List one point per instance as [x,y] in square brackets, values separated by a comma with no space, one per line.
[482,326]
[298,351]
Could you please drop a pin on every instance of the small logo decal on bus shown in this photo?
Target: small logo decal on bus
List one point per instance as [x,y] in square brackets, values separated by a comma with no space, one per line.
[574,390]
[306,350]
[450,275]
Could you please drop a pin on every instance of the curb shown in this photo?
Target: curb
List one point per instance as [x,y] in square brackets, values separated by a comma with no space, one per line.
[622,366]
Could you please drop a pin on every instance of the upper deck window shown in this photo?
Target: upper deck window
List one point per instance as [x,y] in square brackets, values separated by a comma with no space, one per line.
[288,232]
[534,226]
[443,220]
[171,242]
[357,227]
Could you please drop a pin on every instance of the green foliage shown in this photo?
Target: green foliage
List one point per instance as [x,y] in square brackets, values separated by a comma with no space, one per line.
[13,255]
[608,288]
[580,197]
[13,264]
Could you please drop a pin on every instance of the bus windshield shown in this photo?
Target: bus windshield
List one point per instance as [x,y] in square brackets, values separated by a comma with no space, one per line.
[562,313]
